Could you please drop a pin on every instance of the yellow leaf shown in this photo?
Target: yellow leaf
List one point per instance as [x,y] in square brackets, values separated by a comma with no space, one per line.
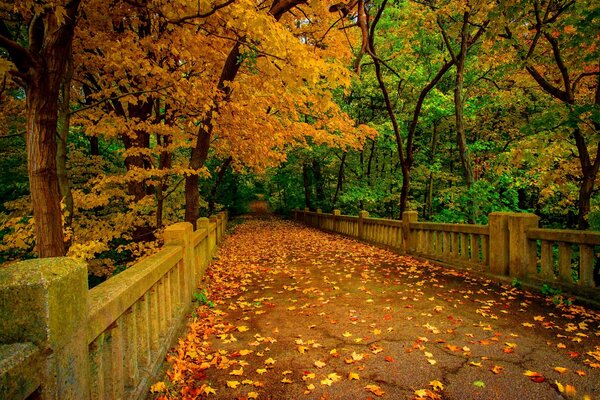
[319,364]
[496,369]
[261,371]
[527,325]
[233,384]
[309,376]
[237,372]
[286,380]
[561,370]
[353,376]
[253,395]
[158,387]
[475,364]
[245,352]
[346,334]
[209,390]
[334,377]
[436,385]
[269,361]
[431,361]
[242,328]
[302,349]
[326,381]
[376,390]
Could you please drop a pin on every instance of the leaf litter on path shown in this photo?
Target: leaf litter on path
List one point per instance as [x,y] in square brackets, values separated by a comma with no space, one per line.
[302,314]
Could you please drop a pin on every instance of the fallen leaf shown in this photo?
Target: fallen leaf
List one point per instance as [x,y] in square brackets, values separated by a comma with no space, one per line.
[376,390]
[353,376]
[233,384]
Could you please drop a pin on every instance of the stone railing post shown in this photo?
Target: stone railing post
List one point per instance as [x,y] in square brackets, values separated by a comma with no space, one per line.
[304,220]
[203,223]
[45,302]
[180,234]
[213,220]
[219,227]
[408,241]
[361,223]
[499,243]
[336,221]
[522,253]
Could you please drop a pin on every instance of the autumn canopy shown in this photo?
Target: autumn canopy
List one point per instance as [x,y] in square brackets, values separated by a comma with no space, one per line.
[121,117]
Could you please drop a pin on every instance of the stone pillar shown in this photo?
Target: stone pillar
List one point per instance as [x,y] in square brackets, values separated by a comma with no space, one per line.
[499,243]
[203,223]
[180,234]
[45,302]
[522,252]
[408,241]
[361,223]
[336,220]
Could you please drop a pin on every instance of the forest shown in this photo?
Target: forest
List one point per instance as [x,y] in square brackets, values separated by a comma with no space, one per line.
[121,117]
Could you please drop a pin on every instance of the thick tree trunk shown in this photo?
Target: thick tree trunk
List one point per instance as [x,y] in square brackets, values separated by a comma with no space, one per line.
[42,113]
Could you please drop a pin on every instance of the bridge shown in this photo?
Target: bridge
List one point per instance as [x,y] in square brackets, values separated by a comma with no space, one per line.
[325,307]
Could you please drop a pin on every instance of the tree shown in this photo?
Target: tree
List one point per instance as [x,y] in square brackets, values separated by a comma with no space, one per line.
[40,67]
[557,46]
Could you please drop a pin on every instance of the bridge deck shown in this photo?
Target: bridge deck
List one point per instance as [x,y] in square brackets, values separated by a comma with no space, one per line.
[301,314]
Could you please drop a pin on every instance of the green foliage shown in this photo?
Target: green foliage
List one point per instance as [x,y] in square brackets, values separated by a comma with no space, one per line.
[202,299]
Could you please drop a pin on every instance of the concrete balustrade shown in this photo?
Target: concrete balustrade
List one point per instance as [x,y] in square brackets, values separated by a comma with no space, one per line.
[60,340]
[512,245]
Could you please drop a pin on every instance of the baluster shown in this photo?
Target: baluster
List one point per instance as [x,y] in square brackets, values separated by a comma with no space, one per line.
[162,311]
[464,246]
[564,261]
[454,245]
[143,326]
[438,243]
[114,352]
[586,265]
[546,263]
[153,316]
[131,349]
[484,249]
[474,248]
[97,368]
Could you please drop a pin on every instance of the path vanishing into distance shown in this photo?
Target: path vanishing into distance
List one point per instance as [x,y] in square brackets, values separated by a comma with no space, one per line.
[294,313]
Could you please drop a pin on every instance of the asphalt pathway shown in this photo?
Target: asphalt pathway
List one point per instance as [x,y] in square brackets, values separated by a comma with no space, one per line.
[295,313]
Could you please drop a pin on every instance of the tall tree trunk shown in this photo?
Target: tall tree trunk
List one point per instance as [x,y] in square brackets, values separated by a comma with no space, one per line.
[429,191]
[62,131]
[340,179]
[164,163]
[589,171]
[370,162]
[215,188]
[94,146]
[306,182]
[319,183]
[41,68]
[461,140]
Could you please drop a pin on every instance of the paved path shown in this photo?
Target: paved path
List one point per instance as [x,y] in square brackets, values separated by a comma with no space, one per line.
[301,314]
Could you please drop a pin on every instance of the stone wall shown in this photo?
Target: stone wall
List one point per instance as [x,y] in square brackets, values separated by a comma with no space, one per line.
[60,340]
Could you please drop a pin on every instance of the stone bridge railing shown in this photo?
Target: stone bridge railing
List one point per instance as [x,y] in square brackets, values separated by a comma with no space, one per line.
[59,340]
[510,246]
